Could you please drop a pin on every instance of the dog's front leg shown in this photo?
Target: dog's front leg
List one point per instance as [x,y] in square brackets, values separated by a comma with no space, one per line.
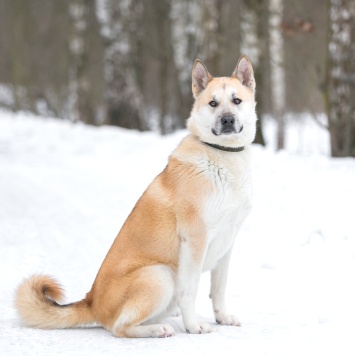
[219,277]
[190,269]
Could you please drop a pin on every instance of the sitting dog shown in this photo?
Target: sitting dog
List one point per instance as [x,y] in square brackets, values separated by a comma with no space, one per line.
[185,223]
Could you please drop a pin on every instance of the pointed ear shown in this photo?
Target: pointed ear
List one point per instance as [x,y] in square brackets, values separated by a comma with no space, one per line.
[200,77]
[244,72]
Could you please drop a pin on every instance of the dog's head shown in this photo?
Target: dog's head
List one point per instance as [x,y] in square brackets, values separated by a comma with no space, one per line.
[224,108]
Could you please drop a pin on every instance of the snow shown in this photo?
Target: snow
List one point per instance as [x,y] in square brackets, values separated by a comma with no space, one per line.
[65,190]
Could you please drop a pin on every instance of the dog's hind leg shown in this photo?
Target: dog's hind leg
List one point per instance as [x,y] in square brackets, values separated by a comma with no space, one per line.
[149,295]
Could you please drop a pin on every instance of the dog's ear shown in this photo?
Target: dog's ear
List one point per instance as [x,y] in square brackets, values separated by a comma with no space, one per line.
[200,77]
[244,72]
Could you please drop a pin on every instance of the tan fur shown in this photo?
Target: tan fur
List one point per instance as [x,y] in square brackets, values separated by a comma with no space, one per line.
[215,84]
[165,235]
[36,303]
[166,213]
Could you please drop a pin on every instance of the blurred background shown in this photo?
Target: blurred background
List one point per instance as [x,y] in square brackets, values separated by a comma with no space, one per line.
[128,63]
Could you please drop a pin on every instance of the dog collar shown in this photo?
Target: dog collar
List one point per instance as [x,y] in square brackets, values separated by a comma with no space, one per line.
[224,148]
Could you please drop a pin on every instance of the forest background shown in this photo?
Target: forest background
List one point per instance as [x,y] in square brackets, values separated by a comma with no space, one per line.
[128,63]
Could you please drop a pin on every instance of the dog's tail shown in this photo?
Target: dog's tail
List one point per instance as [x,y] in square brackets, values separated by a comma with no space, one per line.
[37,304]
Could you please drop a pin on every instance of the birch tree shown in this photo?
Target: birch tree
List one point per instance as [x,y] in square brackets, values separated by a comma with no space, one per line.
[120,21]
[339,91]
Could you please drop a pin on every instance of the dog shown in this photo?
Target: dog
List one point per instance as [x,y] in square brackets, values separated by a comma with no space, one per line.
[185,223]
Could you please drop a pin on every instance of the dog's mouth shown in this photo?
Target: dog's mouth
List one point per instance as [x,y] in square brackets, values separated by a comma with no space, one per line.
[223,130]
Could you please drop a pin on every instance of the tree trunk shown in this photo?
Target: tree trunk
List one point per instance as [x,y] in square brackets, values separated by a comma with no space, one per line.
[124,100]
[277,70]
[340,87]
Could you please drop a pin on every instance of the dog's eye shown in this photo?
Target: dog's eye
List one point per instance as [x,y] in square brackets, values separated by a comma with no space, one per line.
[213,103]
[237,101]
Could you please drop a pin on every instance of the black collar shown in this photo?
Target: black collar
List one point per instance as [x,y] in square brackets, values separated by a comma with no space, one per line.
[224,148]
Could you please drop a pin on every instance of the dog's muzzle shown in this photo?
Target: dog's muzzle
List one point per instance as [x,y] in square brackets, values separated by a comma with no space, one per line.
[227,125]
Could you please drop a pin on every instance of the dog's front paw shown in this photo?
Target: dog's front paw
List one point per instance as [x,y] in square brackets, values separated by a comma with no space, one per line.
[226,319]
[199,327]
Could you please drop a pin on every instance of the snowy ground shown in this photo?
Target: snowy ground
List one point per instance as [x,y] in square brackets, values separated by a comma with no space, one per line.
[66,189]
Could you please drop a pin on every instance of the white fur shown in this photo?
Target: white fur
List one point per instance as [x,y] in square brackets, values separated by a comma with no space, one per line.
[228,206]
[188,280]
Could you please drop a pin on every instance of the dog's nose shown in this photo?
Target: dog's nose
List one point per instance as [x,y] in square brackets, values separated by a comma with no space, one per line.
[227,121]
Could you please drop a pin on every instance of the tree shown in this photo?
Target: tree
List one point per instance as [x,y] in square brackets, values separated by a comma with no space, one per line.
[120,23]
[259,11]
[339,88]
[166,101]
[86,75]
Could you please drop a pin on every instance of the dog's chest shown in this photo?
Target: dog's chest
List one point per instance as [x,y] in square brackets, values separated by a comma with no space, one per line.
[227,206]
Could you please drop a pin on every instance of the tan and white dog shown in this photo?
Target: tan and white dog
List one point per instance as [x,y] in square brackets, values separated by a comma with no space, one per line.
[185,223]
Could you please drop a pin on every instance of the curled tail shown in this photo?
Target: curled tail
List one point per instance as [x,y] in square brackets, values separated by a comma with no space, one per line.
[37,304]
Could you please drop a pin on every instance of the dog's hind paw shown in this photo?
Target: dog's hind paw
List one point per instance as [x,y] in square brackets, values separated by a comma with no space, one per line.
[163,330]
